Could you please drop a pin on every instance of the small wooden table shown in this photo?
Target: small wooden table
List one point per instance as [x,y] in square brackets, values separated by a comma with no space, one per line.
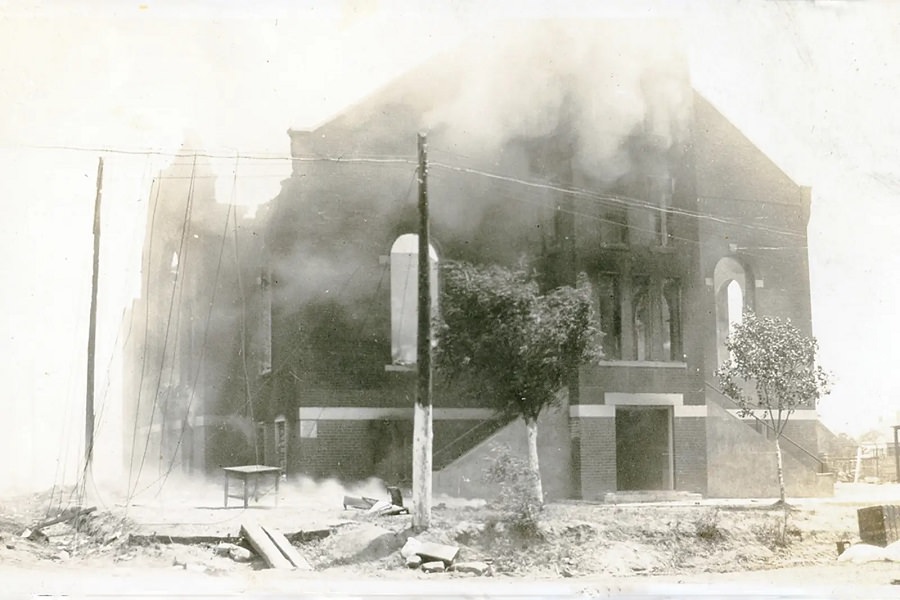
[250,475]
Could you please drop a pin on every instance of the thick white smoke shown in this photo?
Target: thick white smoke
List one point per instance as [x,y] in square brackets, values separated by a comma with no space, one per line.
[599,80]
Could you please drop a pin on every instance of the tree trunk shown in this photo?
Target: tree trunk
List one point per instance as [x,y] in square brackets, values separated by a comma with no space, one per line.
[533,462]
[780,468]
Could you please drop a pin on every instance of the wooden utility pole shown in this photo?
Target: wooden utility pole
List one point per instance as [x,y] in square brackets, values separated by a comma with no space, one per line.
[896,454]
[92,329]
[422,427]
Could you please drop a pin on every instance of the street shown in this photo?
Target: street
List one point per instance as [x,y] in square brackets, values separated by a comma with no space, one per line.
[869,581]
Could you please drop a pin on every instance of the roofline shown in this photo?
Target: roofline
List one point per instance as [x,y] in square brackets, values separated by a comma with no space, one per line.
[743,133]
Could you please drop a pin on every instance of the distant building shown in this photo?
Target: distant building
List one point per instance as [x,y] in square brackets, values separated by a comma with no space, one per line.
[602,162]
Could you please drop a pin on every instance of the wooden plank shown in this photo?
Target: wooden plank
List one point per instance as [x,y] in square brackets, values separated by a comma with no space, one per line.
[263,545]
[67,515]
[286,548]
[162,538]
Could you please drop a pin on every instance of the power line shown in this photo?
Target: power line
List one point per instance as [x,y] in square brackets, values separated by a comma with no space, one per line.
[240,282]
[202,355]
[185,227]
[62,457]
[540,202]
[400,159]
[144,361]
[134,238]
[610,198]
[182,257]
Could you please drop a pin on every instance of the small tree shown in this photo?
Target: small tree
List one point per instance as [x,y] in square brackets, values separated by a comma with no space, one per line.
[772,369]
[499,338]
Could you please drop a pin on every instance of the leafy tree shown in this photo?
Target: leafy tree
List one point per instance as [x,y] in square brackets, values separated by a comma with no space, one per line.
[874,436]
[503,340]
[772,369]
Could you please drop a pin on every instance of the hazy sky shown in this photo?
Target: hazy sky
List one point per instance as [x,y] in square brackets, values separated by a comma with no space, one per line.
[814,84]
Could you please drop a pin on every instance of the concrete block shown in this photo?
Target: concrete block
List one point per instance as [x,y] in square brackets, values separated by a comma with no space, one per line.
[434,566]
[414,561]
[239,554]
[475,567]
[430,551]
[224,548]
[410,548]
[368,542]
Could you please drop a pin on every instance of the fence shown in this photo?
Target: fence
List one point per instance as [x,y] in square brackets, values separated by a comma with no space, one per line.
[873,463]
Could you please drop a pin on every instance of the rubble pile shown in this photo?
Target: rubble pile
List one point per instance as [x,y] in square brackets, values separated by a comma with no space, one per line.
[431,557]
[60,536]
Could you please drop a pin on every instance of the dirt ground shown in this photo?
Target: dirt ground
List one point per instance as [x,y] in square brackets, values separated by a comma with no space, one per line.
[693,541]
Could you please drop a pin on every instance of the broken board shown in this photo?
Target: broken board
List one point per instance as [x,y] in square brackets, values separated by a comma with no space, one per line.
[286,549]
[357,502]
[264,546]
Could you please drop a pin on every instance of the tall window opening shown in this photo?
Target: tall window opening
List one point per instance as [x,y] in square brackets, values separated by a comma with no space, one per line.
[644,315]
[662,189]
[607,308]
[735,303]
[404,296]
[651,329]
[731,283]
[261,442]
[613,226]
[265,322]
[281,442]
[671,297]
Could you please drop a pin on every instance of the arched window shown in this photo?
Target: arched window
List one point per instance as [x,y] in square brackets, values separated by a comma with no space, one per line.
[404,296]
[730,281]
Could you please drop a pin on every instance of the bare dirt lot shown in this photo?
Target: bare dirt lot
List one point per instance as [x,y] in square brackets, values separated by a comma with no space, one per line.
[692,541]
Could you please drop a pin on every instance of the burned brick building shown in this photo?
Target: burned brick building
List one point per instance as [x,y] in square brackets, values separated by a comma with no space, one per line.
[579,150]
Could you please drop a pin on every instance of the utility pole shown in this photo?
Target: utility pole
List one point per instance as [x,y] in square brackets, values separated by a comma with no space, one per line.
[92,329]
[896,453]
[422,427]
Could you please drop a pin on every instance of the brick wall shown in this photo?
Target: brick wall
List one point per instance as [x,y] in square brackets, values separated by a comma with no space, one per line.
[597,452]
[690,454]
[742,462]
[342,449]
[352,450]
[464,477]
[804,433]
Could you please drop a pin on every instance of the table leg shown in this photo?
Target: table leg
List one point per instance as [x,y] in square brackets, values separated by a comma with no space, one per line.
[245,491]
[226,489]
[277,480]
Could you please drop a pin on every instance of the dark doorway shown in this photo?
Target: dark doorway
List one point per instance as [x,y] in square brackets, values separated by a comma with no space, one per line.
[643,448]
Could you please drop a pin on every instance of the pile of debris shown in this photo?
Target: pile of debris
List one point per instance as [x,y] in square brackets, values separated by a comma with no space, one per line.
[431,557]
[262,545]
[72,530]
[879,532]
[394,506]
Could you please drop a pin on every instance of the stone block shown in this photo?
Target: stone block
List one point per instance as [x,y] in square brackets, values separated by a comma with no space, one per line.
[475,567]
[434,566]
